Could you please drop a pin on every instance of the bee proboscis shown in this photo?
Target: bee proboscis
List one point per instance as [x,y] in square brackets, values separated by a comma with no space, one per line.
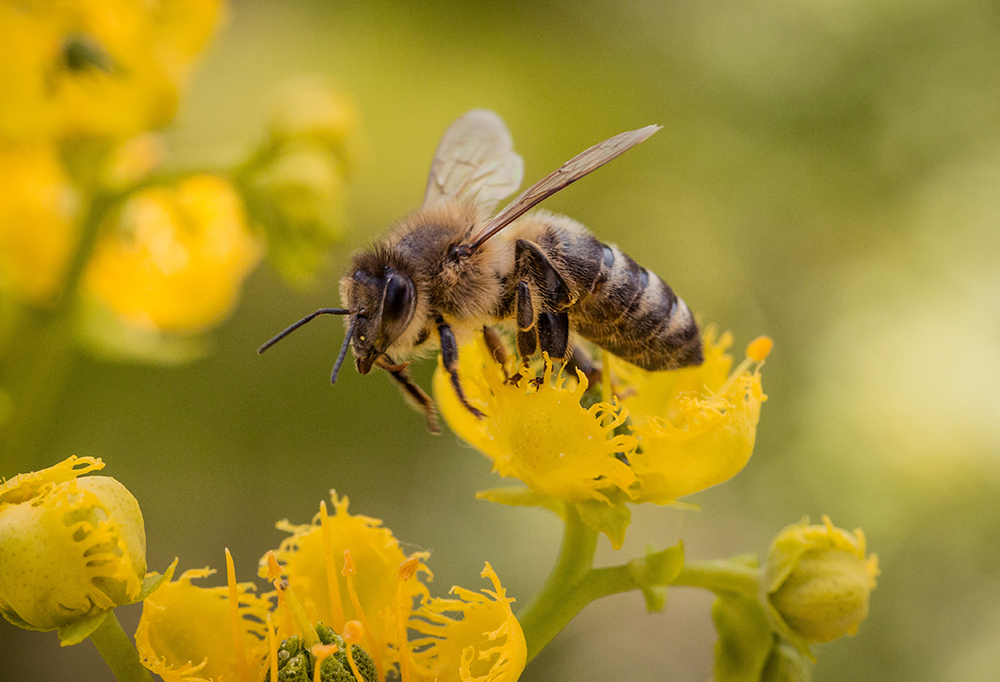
[454,267]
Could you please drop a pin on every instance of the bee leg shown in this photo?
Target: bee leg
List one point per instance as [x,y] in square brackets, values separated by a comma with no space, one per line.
[496,347]
[580,359]
[417,398]
[449,354]
[553,334]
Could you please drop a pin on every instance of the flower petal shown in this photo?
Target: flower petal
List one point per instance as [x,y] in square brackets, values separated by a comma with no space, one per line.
[183,634]
[474,638]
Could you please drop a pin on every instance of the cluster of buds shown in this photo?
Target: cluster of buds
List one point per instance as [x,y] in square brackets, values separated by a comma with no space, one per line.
[295,181]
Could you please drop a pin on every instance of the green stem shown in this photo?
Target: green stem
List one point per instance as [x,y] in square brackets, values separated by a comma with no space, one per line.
[41,357]
[541,618]
[720,575]
[117,650]
[570,588]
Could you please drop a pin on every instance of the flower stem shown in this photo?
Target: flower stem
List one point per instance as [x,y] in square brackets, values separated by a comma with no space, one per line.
[546,614]
[117,650]
[574,582]
[720,575]
[40,359]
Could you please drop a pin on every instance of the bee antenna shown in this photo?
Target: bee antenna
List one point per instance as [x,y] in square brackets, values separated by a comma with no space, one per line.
[307,318]
[343,350]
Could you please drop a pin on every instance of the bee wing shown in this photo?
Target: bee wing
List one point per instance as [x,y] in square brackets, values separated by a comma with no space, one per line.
[568,173]
[476,160]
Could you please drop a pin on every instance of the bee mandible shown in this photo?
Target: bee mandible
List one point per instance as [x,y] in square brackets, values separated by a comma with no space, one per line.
[454,267]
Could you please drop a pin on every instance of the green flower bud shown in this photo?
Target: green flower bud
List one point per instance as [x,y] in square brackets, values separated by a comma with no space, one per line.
[817,582]
[305,185]
[70,548]
[310,109]
[298,197]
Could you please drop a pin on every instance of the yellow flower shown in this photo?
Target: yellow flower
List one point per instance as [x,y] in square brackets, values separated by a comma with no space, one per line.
[669,434]
[696,427]
[542,436]
[186,635]
[817,582]
[70,548]
[176,257]
[341,573]
[97,67]
[38,213]
[313,561]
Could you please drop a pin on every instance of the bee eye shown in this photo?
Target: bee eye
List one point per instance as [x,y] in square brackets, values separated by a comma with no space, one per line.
[398,297]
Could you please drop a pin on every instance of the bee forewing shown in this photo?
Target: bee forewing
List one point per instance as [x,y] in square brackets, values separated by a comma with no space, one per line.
[475,160]
[571,171]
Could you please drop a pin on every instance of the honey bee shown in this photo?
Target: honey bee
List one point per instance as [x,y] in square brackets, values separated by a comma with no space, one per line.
[454,267]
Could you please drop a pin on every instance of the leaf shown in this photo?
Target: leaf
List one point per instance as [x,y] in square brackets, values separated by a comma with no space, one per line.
[152,582]
[79,630]
[745,638]
[610,519]
[654,572]
[522,497]
[787,664]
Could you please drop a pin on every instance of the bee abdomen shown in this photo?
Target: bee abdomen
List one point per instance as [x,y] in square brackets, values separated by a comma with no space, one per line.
[634,314]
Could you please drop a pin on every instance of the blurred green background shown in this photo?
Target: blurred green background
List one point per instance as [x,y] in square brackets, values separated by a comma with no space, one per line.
[828,174]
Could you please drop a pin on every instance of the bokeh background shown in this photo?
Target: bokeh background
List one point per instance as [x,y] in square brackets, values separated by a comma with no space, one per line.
[828,174]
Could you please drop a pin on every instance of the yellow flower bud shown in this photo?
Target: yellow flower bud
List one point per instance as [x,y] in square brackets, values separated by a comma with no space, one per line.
[818,581]
[70,548]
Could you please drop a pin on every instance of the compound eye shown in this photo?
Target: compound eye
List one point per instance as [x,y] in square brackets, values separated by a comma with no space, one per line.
[398,297]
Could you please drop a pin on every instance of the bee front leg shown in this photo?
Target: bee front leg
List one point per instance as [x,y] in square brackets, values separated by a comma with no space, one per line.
[449,355]
[416,397]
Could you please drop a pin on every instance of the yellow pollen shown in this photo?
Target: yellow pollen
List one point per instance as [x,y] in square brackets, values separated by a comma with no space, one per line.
[272,643]
[348,572]
[321,652]
[242,667]
[760,348]
[333,585]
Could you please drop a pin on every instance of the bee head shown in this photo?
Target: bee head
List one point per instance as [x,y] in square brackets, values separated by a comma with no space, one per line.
[385,300]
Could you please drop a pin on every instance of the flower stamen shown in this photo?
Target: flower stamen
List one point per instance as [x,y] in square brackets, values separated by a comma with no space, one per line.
[298,613]
[321,652]
[272,643]
[333,584]
[407,569]
[242,667]
[348,572]
[353,632]
[757,351]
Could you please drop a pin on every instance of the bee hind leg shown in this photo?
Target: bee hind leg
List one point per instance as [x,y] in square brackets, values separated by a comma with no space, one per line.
[449,355]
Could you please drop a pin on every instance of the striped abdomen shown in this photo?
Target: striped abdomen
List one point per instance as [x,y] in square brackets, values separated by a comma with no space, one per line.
[618,304]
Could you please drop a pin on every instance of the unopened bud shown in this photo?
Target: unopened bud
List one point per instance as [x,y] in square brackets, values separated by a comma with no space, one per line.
[818,581]
[70,548]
